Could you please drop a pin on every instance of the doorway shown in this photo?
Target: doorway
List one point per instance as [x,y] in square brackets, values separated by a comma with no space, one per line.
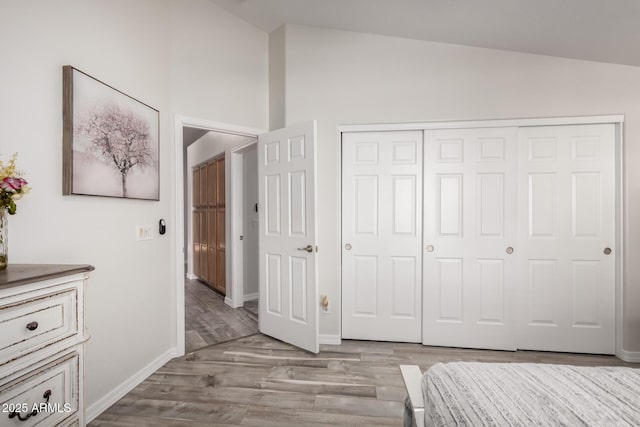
[209,314]
[221,265]
[286,192]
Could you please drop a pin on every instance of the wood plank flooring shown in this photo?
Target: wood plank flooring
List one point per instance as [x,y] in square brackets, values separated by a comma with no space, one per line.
[208,320]
[259,381]
[252,308]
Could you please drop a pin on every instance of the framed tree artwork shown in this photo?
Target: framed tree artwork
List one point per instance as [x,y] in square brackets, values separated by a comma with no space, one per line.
[110,141]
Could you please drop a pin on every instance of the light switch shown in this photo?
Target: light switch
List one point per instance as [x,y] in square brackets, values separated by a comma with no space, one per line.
[144,232]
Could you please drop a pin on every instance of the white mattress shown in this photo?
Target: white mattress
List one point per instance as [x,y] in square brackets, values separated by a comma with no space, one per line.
[512,394]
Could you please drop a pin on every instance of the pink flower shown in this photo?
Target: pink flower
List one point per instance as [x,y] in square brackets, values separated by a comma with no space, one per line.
[12,185]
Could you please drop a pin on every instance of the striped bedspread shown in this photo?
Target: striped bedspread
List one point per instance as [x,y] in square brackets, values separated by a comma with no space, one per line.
[512,394]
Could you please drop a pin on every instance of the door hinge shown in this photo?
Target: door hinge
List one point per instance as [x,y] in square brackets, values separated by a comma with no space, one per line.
[316,248]
[256,207]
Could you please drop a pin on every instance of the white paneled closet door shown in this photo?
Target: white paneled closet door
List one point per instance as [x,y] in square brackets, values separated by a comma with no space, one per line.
[567,238]
[382,235]
[469,232]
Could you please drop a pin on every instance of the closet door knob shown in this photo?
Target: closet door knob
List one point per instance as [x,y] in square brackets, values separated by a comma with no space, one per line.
[509,250]
[607,251]
[307,248]
[430,248]
[348,246]
[32,326]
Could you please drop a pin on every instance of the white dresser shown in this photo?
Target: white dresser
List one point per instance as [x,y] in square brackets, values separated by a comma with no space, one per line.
[42,336]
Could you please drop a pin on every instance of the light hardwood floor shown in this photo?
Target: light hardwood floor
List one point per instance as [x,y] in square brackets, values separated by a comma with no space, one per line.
[208,320]
[259,381]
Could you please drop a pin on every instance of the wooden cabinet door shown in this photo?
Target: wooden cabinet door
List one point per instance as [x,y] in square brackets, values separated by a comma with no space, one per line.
[204,267]
[196,227]
[220,258]
[203,246]
[220,194]
[209,224]
[211,183]
[196,243]
[196,187]
[211,249]
[220,248]
[196,260]
[220,231]
[203,186]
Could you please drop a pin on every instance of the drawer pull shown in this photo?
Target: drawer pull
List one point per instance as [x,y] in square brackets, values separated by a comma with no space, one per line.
[46,395]
[32,326]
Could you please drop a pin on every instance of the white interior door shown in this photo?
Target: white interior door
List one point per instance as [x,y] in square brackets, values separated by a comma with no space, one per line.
[381,235]
[288,303]
[567,206]
[469,220]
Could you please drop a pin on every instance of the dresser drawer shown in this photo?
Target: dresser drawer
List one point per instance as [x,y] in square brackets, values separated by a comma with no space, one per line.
[51,391]
[31,324]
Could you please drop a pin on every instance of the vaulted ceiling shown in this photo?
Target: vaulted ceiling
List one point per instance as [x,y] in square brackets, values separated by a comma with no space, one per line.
[597,30]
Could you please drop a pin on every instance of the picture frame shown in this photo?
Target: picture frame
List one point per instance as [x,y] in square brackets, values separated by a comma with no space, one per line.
[111,141]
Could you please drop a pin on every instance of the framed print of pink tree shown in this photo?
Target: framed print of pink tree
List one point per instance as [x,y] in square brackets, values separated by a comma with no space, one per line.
[110,141]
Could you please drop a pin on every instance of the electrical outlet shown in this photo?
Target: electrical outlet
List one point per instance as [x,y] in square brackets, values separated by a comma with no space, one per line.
[324,304]
[144,232]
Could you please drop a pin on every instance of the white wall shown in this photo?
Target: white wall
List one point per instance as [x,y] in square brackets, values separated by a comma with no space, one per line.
[150,50]
[219,65]
[219,73]
[277,78]
[339,77]
[250,223]
[124,45]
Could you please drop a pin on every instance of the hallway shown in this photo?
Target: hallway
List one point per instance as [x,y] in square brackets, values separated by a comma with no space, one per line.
[210,321]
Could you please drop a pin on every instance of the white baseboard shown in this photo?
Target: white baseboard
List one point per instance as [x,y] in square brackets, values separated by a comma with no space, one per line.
[629,356]
[251,297]
[191,276]
[117,393]
[330,339]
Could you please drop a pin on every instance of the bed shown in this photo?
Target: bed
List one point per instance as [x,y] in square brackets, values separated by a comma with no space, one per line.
[521,394]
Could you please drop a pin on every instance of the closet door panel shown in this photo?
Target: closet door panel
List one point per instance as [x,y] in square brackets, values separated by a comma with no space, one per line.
[382,235]
[567,201]
[469,222]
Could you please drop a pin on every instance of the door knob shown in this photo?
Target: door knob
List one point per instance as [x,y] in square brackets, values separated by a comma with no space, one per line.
[307,248]
[607,251]
[348,246]
[509,250]
[430,248]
